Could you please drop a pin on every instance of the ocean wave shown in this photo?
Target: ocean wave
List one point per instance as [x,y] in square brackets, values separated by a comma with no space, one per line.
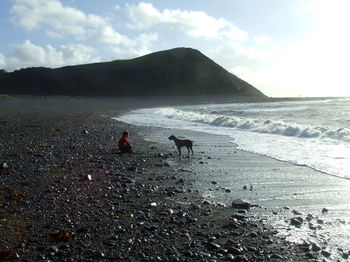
[265,126]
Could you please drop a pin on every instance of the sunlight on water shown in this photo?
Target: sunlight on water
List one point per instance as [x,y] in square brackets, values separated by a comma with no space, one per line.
[312,133]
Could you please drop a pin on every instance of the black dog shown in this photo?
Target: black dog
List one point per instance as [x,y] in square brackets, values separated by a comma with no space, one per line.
[181,143]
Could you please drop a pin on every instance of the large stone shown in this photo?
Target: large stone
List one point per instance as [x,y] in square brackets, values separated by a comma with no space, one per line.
[4,166]
[240,204]
[296,221]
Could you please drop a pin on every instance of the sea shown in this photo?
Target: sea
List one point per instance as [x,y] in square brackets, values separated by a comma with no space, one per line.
[307,134]
[313,133]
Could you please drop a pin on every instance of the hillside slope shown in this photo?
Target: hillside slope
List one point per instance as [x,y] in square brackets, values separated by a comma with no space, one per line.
[179,71]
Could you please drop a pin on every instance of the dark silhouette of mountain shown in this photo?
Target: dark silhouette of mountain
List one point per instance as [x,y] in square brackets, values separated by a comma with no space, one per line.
[175,72]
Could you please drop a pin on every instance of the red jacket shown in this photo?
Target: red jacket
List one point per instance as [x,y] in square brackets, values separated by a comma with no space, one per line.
[123,141]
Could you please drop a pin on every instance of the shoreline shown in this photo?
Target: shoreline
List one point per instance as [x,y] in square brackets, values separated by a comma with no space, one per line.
[134,207]
[284,191]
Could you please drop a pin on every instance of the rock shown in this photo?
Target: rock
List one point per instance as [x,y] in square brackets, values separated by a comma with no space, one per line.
[241,204]
[236,250]
[315,247]
[4,166]
[231,226]
[239,217]
[241,258]
[310,255]
[252,249]
[297,221]
[86,178]
[325,253]
[99,254]
[324,210]
[312,227]
[153,204]
[309,217]
[181,181]
[296,212]
[319,221]
[204,254]
[169,211]
[230,257]
[277,256]
[213,246]
[132,168]
[304,246]
[53,249]
[253,235]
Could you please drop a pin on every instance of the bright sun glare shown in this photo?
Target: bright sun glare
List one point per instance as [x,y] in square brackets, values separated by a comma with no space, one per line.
[317,65]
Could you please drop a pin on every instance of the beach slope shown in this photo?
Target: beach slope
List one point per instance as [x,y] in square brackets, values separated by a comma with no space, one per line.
[66,194]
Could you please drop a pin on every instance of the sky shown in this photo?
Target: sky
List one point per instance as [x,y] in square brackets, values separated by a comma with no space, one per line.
[282,47]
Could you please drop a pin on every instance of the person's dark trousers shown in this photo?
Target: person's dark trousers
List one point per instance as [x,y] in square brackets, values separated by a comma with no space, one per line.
[126,149]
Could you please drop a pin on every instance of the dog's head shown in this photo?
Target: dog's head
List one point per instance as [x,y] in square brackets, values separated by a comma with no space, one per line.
[172,137]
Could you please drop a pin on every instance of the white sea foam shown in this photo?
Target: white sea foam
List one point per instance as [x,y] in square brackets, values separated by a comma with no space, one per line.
[306,133]
[312,133]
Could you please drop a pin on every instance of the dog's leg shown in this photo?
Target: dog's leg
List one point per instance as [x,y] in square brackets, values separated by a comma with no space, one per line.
[179,148]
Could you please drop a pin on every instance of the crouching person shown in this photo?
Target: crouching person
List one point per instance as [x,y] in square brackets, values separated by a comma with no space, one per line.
[124,145]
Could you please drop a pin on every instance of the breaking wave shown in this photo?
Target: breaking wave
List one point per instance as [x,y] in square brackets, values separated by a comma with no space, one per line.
[257,125]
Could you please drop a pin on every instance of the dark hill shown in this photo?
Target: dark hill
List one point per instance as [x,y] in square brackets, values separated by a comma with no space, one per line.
[179,71]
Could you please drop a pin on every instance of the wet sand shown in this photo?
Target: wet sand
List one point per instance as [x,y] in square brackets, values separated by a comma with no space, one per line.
[283,191]
[67,195]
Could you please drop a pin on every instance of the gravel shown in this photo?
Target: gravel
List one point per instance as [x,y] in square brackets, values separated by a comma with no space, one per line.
[66,194]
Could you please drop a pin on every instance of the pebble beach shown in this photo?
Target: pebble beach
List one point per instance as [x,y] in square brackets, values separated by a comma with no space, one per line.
[67,194]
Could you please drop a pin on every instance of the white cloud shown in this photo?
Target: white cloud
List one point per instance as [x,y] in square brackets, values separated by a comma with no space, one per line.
[261,39]
[59,21]
[146,39]
[77,54]
[140,46]
[108,35]
[144,15]
[129,52]
[123,46]
[54,34]
[30,55]
[233,50]
[192,23]
[240,71]
[33,14]
[233,33]
[2,61]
